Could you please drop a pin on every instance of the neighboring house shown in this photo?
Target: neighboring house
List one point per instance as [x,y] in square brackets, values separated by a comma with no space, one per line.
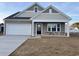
[74,29]
[1,27]
[36,20]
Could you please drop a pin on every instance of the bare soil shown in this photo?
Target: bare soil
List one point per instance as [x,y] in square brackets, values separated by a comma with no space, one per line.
[1,33]
[49,46]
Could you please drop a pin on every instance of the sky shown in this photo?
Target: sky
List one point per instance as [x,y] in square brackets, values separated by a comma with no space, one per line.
[69,8]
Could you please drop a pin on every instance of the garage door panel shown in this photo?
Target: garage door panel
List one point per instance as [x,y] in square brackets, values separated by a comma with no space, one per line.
[18,29]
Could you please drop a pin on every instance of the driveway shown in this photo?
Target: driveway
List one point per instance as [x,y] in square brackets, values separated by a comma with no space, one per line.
[9,43]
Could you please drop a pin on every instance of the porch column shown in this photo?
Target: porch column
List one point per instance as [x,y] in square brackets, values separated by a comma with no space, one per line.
[32,28]
[67,29]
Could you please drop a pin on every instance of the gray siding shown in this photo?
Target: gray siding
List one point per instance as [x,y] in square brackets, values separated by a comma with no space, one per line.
[62,27]
[44,27]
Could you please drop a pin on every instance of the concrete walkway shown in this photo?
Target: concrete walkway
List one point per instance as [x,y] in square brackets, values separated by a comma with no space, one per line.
[9,43]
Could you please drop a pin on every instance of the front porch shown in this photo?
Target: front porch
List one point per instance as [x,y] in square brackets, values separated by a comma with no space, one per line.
[50,29]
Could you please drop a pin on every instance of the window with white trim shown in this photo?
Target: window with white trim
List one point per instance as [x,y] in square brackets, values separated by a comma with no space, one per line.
[49,27]
[53,27]
[58,27]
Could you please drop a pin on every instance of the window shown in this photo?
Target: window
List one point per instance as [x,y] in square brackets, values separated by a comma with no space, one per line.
[53,27]
[58,27]
[35,9]
[49,27]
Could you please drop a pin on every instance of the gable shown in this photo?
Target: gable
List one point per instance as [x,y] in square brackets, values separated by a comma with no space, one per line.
[55,14]
[29,12]
[31,8]
[52,10]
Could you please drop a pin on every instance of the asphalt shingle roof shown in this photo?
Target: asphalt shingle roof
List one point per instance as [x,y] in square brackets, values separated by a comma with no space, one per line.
[12,16]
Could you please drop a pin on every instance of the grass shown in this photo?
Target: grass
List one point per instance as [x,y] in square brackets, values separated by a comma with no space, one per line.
[49,46]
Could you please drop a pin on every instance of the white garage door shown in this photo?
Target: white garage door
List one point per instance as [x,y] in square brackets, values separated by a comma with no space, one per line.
[18,29]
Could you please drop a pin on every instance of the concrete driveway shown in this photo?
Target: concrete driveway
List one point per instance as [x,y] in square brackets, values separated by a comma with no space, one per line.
[9,43]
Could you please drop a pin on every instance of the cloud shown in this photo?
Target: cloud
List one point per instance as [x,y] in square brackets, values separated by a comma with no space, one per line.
[73,15]
[4,15]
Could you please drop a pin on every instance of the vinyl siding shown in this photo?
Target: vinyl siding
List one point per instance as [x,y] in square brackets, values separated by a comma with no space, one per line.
[62,27]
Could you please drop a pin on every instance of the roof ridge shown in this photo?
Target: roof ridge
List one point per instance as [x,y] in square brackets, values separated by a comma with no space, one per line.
[31,6]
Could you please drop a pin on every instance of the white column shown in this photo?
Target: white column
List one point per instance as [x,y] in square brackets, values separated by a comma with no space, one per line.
[67,29]
[32,28]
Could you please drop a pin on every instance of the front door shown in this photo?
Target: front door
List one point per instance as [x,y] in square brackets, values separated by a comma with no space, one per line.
[38,29]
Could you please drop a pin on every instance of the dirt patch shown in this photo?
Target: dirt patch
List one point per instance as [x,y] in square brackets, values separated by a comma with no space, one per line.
[54,46]
[1,33]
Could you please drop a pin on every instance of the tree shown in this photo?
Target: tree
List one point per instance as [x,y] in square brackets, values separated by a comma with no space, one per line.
[75,25]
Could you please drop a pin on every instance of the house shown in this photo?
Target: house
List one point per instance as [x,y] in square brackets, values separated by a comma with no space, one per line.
[37,20]
[1,28]
[74,29]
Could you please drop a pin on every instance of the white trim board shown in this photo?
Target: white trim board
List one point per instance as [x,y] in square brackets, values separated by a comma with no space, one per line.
[50,20]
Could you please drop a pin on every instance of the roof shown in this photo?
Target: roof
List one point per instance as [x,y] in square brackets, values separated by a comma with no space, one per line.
[12,16]
[18,18]
[52,16]
[31,15]
[27,14]
[57,10]
[35,4]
